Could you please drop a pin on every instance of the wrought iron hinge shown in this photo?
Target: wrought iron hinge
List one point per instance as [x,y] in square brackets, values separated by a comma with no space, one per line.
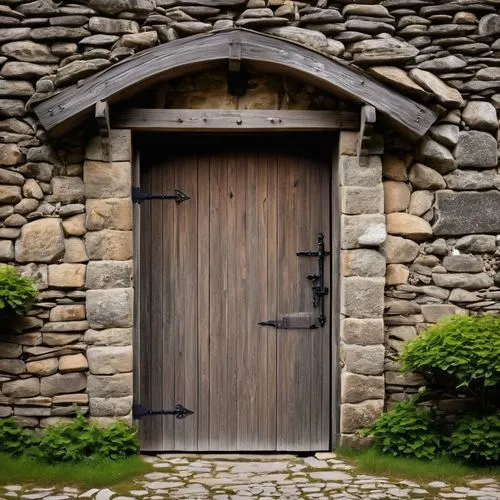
[139,411]
[318,280]
[138,196]
[293,321]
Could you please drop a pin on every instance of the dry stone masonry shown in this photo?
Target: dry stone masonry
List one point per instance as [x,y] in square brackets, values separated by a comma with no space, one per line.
[419,230]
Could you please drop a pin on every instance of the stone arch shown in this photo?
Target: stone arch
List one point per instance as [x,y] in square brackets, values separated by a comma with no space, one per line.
[71,106]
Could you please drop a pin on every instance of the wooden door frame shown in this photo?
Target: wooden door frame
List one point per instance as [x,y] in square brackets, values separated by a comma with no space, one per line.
[303,121]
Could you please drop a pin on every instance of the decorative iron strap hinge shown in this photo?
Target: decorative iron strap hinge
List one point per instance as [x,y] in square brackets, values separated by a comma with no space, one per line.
[139,411]
[138,196]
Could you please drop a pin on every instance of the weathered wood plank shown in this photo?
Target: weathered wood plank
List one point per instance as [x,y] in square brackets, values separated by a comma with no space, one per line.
[223,120]
[61,112]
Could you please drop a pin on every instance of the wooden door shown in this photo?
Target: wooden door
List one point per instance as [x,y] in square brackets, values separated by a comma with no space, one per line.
[215,266]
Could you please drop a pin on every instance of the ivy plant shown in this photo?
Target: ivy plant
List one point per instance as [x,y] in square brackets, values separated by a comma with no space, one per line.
[17,293]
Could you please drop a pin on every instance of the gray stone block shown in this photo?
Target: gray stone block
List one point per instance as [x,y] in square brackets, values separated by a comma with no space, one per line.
[365,360]
[362,331]
[356,388]
[356,416]
[110,308]
[110,386]
[365,172]
[109,274]
[362,297]
[467,212]
[363,262]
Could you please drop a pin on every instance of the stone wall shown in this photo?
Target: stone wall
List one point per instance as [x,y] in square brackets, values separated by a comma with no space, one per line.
[68,230]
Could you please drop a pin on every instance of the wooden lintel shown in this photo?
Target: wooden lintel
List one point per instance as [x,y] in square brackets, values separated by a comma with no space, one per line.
[73,105]
[102,117]
[224,120]
[367,122]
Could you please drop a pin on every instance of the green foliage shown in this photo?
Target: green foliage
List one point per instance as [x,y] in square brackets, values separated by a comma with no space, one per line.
[17,293]
[13,439]
[117,441]
[406,431]
[466,347]
[69,442]
[73,442]
[477,439]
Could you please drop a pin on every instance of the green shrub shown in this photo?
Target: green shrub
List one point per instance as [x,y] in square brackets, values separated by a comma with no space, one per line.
[69,442]
[17,293]
[406,431]
[118,441]
[466,347]
[476,438]
[13,439]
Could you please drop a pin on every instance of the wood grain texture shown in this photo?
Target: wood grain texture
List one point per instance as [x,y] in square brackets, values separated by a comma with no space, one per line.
[214,267]
[222,120]
[65,110]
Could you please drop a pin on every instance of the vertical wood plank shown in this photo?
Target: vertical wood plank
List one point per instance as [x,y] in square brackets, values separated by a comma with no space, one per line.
[203,306]
[218,305]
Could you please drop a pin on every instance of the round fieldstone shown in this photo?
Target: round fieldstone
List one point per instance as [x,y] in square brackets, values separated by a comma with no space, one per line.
[423,177]
[480,115]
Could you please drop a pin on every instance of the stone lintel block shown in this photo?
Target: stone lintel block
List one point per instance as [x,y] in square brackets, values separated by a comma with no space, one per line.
[110,360]
[62,384]
[358,200]
[364,359]
[109,274]
[121,146]
[404,379]
[356,388]
[107,180]
[112,336]
[109,213]
[359,415]
[110,308]
[353,227]
[32,412]
[110,407]
[109,244]
[66,275]
[362,331]
[363,172]
[362,297]
[110,386]
[363,262]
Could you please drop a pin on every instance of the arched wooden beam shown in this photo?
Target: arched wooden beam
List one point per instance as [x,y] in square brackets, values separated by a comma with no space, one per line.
[63,111]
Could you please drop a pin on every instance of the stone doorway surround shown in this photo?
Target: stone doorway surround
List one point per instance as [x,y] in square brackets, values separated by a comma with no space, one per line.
[357,322]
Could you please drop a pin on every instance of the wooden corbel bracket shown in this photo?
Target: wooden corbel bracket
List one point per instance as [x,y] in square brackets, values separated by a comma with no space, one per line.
[102,117]
[368,119]
[237,78]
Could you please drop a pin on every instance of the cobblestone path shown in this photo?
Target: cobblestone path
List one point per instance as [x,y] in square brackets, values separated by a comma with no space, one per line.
[231,477]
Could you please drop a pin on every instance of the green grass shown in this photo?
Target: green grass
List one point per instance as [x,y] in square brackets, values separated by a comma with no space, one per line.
[95,474]
[441,469]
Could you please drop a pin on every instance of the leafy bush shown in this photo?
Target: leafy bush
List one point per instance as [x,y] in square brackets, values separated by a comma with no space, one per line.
[17,293]
[13,439]
[406,431]
[466,347]
[70,442]
[476,438]
[117,441]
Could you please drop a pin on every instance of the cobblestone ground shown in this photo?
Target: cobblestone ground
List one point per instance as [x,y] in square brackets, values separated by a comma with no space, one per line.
[229,477]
